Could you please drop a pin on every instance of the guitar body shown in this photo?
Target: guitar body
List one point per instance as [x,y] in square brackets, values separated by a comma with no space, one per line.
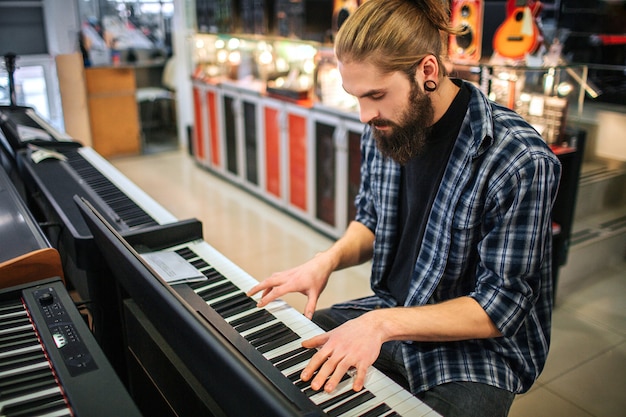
[518,35]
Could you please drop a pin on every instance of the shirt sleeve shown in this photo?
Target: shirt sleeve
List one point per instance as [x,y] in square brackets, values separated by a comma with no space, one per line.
[515,249]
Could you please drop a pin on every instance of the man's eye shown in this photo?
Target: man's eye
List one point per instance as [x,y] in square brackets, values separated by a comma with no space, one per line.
[377,96]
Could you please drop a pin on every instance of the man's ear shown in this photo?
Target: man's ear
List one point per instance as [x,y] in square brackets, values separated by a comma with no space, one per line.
[430,68]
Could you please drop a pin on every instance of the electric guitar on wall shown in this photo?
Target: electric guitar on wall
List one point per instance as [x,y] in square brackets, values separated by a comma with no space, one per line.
[519,34]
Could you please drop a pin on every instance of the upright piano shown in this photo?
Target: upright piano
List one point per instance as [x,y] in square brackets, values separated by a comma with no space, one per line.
[202,347]
[50,364]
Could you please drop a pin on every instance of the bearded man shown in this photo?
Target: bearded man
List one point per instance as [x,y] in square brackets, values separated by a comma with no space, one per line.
[454,212]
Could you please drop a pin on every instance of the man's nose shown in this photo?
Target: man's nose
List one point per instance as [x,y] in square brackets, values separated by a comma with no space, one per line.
[366,113]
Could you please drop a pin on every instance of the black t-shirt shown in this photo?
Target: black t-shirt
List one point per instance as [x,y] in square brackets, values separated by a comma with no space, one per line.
[419,183]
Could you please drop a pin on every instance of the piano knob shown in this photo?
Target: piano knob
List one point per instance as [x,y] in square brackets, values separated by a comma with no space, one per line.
[46,299]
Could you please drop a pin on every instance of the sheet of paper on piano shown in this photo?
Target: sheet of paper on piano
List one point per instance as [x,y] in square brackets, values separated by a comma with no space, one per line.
[172,267]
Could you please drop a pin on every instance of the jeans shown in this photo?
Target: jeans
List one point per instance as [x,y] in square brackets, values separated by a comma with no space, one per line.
[454,399]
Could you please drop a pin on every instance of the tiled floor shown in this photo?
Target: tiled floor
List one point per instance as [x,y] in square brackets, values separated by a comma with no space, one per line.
[585,375]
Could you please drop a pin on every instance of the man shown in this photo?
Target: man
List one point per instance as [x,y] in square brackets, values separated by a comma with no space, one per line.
[454,212]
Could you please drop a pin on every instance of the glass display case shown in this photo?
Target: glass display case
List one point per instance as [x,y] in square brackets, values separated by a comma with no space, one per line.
[283,66]
[544,96]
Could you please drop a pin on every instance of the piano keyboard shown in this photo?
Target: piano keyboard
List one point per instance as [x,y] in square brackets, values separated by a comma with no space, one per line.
[27,382]
[277,330]
[129,202]
[49,363]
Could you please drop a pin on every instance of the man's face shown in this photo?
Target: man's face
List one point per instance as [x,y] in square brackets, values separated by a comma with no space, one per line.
[396,108]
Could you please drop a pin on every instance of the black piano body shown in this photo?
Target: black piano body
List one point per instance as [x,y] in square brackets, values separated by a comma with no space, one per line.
[50,361]
[25,252]
[189,359]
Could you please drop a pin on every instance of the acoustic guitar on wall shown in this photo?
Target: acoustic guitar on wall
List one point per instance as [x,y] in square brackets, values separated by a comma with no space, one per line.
[519,34]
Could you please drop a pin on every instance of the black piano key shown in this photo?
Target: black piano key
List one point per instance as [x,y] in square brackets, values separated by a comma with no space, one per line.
[273,344]
[336,399]
[234,305]
[219,290]
[377,411]
[294,360]
[252,320]
[186,253]
[199,264]
[360,398]
[295,378]
[261,334]
[288,355]
[212,277]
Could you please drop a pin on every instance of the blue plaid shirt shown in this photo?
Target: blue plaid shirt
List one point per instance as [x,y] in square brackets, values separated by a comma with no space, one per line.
[488,236]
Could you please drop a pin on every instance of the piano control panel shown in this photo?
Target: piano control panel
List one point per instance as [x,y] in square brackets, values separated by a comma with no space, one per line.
[62,329]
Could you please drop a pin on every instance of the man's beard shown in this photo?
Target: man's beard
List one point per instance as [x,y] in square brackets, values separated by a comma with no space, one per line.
[406,139]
